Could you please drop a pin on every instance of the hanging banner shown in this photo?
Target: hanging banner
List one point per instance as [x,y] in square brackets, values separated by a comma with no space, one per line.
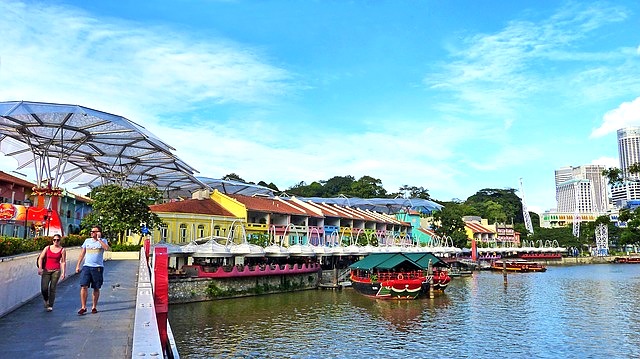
[44,222]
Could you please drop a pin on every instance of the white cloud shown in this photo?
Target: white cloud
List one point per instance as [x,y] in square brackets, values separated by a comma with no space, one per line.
[625,115]
[499,74]
[608,162]
[62,54]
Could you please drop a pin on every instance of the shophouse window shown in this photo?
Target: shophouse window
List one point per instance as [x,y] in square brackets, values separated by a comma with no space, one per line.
[183,232]
[163,233]
[200,230]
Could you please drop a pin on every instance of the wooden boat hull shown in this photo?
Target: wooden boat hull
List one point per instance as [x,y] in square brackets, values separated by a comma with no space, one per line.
[392,289]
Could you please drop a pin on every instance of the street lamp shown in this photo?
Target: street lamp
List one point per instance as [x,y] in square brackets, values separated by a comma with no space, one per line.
[26,205]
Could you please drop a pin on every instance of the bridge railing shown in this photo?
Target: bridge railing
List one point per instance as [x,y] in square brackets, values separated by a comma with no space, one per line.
[146,331]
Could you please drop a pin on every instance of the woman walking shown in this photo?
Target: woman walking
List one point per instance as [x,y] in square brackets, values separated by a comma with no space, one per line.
[52,271]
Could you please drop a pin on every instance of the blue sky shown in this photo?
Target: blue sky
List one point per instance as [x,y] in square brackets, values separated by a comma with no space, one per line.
[453,96]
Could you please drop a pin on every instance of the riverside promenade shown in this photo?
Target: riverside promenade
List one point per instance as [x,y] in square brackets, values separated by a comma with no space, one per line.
[32,332]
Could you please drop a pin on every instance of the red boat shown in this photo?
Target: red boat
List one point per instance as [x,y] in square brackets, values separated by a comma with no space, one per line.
[398,275]
[540,255]
[517,265]
[627,260]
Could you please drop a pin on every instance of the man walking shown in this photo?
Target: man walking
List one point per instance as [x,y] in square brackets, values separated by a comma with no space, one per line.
[92,273]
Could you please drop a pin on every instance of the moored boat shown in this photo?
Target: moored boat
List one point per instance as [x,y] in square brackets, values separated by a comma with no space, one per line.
[517,265]
[542,255]
[627,260]
[399,276]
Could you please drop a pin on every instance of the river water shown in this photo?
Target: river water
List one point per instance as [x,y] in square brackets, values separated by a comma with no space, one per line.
[588,311]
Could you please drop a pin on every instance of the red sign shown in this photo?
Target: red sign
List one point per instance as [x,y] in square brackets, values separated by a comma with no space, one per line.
[7,211]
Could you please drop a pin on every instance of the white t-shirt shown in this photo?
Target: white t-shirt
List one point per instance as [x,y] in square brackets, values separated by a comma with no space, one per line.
[94,254]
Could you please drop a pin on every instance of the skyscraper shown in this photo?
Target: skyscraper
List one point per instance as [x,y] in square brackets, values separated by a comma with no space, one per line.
[629,154]
[629,150]
[590,184]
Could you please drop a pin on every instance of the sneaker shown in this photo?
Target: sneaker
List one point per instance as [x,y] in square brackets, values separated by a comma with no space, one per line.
[94,311]
[82,311]
[49,309]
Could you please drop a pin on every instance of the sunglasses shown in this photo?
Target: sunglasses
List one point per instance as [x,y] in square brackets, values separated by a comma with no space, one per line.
[56,239]
[95,231]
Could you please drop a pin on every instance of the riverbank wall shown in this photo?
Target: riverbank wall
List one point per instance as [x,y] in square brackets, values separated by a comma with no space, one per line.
[569,261]
[188,290]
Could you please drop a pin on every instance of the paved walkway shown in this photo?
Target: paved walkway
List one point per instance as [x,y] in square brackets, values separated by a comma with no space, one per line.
[32,332]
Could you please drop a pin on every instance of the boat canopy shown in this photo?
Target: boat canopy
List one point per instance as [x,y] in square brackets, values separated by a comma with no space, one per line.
[388,261]
[423,259]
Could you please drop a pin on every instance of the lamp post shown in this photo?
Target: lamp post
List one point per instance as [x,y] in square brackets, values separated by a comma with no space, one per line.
[26,205]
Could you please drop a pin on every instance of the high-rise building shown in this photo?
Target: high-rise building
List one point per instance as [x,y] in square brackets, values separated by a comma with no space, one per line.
[563,174]
[629,150]
[590,184]
[629,154]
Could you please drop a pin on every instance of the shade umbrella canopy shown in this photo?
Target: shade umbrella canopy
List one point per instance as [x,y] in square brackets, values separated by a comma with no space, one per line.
[236,187]
[71,143]
[382,205]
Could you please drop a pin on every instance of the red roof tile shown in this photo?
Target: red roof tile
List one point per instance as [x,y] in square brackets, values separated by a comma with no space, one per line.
[477,228]
[428,231]
[196,206]
[268,205]
[5,177]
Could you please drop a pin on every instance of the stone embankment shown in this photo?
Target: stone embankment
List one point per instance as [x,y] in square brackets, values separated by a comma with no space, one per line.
[568,261]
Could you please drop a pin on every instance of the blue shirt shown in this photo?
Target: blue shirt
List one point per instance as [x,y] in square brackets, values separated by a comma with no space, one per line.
[94,255]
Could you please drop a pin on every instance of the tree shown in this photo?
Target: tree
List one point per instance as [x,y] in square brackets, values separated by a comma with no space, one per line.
[631,233]
[301,189]
[269,185]
[448,222]
[507,198]
[407,191]
[494,212]
[118,210]
[338,185]
[233,177]
[562,235]
[367,187]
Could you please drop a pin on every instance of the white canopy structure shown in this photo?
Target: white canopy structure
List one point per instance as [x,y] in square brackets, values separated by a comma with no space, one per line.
[71,143]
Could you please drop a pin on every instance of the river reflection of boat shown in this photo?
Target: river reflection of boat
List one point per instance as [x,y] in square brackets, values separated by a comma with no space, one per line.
[404,315]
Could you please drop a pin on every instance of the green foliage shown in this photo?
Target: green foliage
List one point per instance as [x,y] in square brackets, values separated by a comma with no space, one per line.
[126,248]
[118,209]
[365,187]
[269,185]
[631,233]
[214,291]
[260,239]
[501,205]
[448,222]
[338,185]
[10,246]
[407,191]
[563,235]
[233,177]
[613,175]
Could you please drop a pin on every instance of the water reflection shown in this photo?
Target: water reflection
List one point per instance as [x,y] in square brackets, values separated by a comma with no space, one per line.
[568,312]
